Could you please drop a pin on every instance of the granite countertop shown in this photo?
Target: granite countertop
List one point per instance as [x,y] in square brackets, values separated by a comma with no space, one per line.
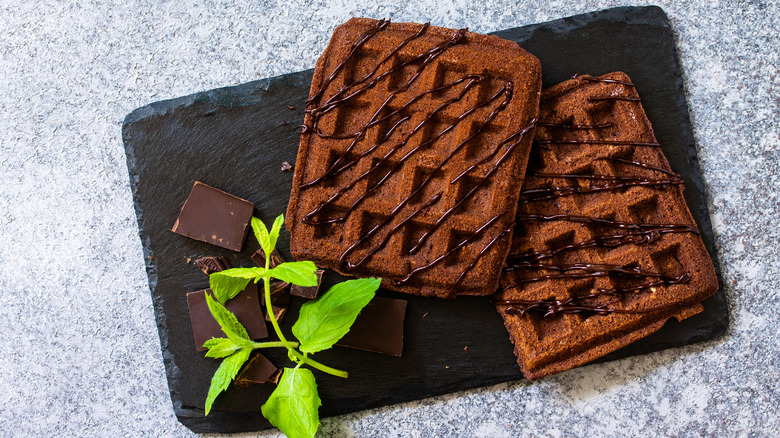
[80,354]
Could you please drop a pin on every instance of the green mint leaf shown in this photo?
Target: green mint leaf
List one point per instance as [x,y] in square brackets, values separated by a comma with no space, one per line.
[324,321]
[225,374]
[274,235]
[230,282]
[229,323]
[294,405]
[220,347]
[300,273]
[262,236]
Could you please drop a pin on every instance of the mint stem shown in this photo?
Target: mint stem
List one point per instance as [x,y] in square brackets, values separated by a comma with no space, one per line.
[272,344]
[284,342]
[324,368]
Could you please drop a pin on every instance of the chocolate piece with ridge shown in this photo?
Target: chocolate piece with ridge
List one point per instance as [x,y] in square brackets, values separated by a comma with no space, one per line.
[279,313]
[258,370]
[280,293]
[259,258]
[213,216]
[210,265]
[379,327]
[245,306]
[412,154]
[309,293]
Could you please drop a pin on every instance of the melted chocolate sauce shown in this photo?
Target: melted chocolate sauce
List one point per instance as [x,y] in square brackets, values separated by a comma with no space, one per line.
[457,247]
[606,81]
[571,305]
[608,142]
[626,233]
[544,194]
[501,236]
[388,113]
[571,126]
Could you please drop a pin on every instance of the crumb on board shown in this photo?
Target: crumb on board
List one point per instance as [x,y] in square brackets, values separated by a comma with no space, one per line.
[425,314]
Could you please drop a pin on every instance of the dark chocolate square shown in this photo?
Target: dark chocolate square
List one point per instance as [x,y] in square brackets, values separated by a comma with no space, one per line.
[257,370]
[245,306]
[378,328]
[213,216]
[309,293]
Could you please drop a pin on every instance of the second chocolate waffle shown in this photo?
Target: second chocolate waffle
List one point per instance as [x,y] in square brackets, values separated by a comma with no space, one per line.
[605,249]
[414,139]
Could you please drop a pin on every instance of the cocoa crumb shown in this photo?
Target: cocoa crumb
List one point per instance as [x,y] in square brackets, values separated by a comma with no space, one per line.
[286,167]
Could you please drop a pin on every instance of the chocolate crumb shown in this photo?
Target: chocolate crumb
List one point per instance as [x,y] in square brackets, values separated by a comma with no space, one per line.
[284,123]
[425,314]
[286,166]
[447,367]
[466,349]
[290,107]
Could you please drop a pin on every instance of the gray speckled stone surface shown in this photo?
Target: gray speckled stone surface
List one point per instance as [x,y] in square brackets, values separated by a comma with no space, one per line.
[79,352]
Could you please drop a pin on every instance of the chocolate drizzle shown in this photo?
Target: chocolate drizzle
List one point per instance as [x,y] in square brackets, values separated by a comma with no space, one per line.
[611,233]
[634,233]
[396,115]
[572,126]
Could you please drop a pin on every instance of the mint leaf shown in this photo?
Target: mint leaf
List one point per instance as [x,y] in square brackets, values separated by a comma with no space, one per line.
[324,321]
[230,282]
[220,347]
[262,236]
[229,323]
[225,374]
[274,235]
[294,405]
[300,273]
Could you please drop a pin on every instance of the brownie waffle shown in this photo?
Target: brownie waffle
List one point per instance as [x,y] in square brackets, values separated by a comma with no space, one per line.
[605,250]
[414,141]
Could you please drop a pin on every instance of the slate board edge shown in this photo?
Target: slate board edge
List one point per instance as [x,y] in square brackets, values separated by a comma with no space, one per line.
[238,95]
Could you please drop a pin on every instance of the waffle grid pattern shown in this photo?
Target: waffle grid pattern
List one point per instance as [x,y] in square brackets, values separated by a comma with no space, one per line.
[397,180]
[658,268]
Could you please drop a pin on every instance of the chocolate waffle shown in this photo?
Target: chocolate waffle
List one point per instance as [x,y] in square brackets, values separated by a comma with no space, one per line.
[413,143]
[605,250]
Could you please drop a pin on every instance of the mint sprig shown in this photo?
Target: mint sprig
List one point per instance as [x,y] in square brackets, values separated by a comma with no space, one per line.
[294,406]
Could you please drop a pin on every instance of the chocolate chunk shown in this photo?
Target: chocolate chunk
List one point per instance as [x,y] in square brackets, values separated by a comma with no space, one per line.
[276,376]
[245,306]
[286,166]
[257,370]
[259,258]
[213,216]
[308,292]
[210,265]
[378,328]
[279,313]
[280,293]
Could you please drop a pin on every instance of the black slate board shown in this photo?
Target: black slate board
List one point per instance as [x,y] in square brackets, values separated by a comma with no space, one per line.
[235,139]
